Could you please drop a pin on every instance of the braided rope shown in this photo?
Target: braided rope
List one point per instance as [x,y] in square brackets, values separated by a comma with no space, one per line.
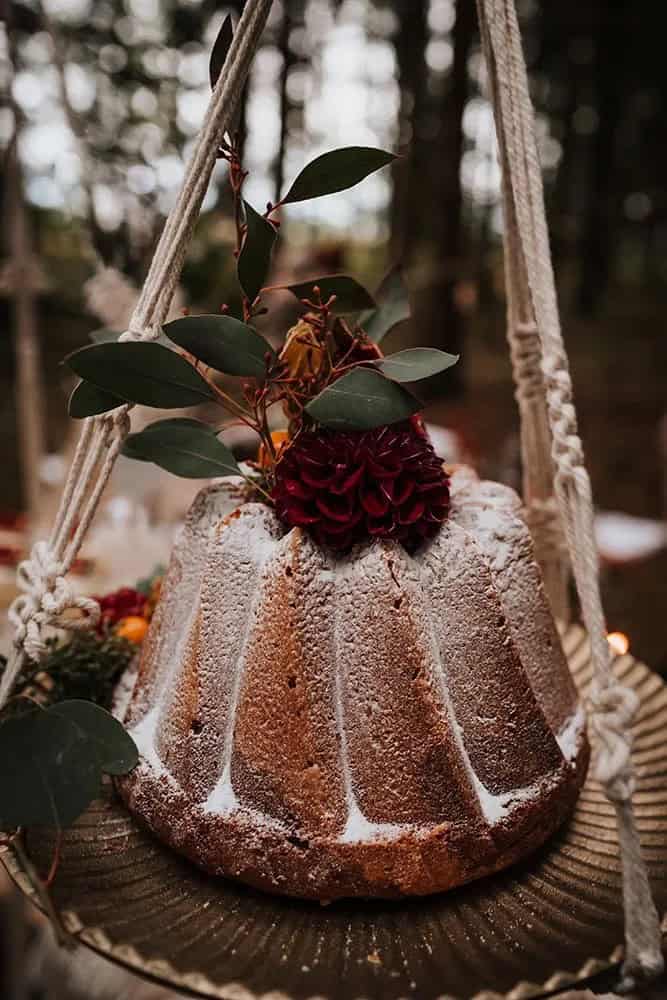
[47,599]
[531,289]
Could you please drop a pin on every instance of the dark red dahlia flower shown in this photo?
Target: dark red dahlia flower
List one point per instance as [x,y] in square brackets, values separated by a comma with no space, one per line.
[346,487]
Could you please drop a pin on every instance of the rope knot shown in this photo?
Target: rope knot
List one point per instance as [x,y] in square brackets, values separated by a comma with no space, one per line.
[45,602]
[612,710]
[137,331]
[568,451]
[526,354]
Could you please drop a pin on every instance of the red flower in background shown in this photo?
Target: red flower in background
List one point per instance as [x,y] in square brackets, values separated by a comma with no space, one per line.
[123,603]
[344,487]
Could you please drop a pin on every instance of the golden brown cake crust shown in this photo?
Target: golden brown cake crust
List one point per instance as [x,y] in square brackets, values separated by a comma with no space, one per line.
[325,869]
[370,725]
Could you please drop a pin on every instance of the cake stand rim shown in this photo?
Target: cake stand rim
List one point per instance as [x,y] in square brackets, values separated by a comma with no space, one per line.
[197,984]
[162,973]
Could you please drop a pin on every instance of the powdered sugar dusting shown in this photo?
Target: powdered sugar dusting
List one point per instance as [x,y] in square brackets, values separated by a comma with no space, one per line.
[216,580]
[144,735]
[497,807]
[359,830]
[222,799]
[356,824]
[569,738]
[244,549]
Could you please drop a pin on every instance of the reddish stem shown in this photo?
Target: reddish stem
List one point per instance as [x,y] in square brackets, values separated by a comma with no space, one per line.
[55,862]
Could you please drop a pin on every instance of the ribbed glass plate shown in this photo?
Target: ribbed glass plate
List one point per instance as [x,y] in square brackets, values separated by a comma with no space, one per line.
[543,924]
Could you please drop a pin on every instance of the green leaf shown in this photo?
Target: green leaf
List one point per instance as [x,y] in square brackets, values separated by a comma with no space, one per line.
[114,749]
[48,775]
[220,49]
[86,400]
[51,762]
[336,171]
[222,342]
[185,447]
[142,372]
[255,257]
[415,364]
[361,400]
[350,295]
[393,307]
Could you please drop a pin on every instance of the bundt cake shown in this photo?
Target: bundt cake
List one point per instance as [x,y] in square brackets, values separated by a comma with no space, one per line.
[370,724]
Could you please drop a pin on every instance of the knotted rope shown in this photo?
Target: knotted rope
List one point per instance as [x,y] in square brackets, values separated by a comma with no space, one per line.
[47,600]
[553,447]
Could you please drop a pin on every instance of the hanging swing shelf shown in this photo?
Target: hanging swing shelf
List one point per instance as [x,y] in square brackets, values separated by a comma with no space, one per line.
[541,926]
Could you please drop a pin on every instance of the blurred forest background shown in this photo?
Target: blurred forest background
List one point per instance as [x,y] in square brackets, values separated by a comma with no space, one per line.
[401,74]
[405,75]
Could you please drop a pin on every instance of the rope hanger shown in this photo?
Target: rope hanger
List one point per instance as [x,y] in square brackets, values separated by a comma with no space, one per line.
[47,599]
[556,482]
[553,452]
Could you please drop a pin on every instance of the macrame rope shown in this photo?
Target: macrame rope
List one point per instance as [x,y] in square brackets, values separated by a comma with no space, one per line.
[47,600]
[542,374]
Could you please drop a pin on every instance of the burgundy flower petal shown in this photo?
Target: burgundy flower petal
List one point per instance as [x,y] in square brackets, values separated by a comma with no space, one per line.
[404,487]
[296,488]
[317,477]
[297,514]
[412,512]
[346,487]
[373,502]
[335,507]
[348,482]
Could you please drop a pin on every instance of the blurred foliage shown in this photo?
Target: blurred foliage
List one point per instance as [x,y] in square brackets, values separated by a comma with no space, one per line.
[400,74]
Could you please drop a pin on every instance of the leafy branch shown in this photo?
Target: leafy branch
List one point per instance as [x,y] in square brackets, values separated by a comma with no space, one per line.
[330,370]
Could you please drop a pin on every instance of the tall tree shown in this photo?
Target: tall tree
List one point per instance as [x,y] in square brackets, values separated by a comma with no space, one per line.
[410,43]
[447,216]
[283,42]
[610,41]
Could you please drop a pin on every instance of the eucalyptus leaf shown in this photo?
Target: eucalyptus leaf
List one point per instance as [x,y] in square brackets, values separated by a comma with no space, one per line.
[415,363]
[350,295]
[335,171]
[224,343]
[361,400]
[184,447]
[114,749]
[143,372]
[255,257]
[47,774]
[129,450]
[393,308]
[220,49]
[51,762]
[86,400]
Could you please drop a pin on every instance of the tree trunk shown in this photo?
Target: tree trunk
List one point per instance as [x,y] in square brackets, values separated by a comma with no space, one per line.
[441,320]
[287,63]
[610,47]
[407,210]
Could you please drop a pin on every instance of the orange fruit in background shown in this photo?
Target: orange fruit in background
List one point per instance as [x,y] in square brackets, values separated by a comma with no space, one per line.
[132,628]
